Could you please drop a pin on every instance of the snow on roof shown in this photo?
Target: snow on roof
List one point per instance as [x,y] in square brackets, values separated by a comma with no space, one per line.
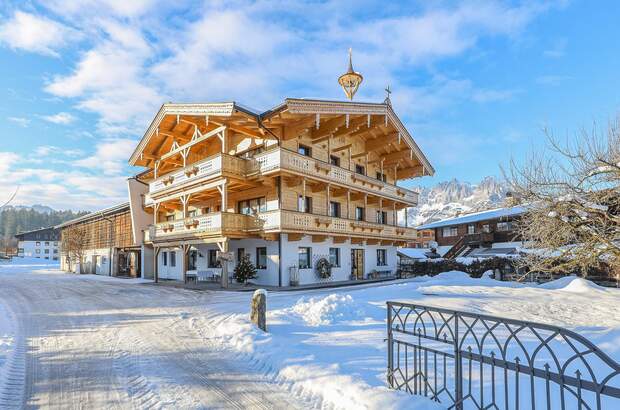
[413,253]
[476,217]
[106,211]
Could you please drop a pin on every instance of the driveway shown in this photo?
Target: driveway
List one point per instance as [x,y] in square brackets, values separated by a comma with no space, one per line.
[90,342]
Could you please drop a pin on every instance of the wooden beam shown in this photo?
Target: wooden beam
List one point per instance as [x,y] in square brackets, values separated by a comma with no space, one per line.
[339,239]
[318,238]
[200,139]
[341,148]
[327,128]
[381,141]
[294,237]
[410,172]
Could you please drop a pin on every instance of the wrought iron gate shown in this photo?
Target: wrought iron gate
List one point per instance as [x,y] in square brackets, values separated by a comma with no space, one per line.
[466,360]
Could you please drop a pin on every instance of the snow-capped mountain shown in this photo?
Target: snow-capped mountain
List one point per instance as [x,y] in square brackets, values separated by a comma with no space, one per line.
[447,199]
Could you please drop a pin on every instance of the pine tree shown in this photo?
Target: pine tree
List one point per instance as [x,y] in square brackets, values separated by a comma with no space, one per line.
[244,270]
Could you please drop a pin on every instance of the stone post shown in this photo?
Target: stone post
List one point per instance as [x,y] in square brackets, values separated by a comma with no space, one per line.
[258,314]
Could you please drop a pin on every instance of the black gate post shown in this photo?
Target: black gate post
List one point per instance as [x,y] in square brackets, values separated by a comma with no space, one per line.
[458,370]
[390,347]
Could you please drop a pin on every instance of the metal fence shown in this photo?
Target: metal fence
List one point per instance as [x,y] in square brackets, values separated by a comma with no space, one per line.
[470,361]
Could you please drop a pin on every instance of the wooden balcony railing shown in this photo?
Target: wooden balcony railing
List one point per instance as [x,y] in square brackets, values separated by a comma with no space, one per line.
[270,161]
[281,158]
[223,223]
[215,224]
[283,220]
[209,167]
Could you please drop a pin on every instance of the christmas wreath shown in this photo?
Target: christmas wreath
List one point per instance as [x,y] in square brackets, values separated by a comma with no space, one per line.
[323,268]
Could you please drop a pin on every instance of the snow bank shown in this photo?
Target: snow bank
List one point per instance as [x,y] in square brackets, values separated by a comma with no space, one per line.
[327,310]
[572,284]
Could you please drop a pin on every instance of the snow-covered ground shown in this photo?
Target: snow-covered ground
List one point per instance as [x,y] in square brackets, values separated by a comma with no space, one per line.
[325,348]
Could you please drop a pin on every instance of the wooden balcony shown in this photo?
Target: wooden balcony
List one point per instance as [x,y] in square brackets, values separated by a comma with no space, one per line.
[283,159]
[211,225]
[298,222]
[209,168]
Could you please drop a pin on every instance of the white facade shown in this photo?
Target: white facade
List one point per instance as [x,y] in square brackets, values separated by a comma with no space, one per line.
[279,263]
[39,249]
[95,261]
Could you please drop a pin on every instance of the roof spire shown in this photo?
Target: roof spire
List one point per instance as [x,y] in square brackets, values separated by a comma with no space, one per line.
[351,80]
[388,92]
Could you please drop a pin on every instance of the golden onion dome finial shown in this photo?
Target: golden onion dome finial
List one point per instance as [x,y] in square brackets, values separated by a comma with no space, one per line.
[351,80]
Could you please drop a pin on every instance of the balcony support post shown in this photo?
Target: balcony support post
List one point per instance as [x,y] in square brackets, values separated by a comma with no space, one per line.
[224,194]
[365,207]
[184,261]
[155,214]
[303,195]
[381,211]
[348,204]
[156,250]
[185,202]
[329,213]
[155,169]
[394,215]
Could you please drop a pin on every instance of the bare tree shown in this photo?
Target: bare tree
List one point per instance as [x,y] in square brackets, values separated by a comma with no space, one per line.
[11,198]
[572,188]
[74,241]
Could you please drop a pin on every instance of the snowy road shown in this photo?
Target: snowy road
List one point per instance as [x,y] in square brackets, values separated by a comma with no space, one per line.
[88,342]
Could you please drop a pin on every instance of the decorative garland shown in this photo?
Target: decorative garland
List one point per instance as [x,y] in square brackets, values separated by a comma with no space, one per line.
[323,268]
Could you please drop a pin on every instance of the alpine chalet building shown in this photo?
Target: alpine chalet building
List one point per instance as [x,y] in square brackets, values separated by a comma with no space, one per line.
[304,181]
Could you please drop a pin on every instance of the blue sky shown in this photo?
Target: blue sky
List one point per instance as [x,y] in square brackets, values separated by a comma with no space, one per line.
[475,82]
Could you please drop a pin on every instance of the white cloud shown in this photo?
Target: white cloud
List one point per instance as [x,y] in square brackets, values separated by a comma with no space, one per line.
[34,33]
[110,156]
[21,121]
[60,118]
[552,79]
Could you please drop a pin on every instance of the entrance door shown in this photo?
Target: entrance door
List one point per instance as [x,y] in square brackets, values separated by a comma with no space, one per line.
[357,263]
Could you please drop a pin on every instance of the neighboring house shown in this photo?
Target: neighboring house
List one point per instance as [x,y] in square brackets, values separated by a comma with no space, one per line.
[424,239]
[110,246]
[306,180]
[41,243]
[480,234]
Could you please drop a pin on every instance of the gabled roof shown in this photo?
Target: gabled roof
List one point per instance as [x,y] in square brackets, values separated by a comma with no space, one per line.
[293,105]
[93,215]
[477,217]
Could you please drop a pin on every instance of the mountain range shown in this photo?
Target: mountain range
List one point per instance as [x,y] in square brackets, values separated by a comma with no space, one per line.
[449,198]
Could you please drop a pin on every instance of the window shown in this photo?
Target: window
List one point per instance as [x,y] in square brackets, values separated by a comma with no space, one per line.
[252,206]
[381,177]
[334,160]
[173,259]
[261,258]
[191,214]
[334,256]
[504,226]
[55,243]
[304,150]
[47,244]
[170,218]
[47,251]
[381,217]
[164,258]
[471,229]
[206,210]
[304,206]
[55,250]
[38,243]
[20,250]
[359,169]
[450,231]
[381,257]
[304,258]
[359,213]
[240,254]
[486,228]
[38,250]
[213,262]
[334,209]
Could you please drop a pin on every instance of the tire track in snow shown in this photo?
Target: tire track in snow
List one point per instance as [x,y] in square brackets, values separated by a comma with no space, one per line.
[13,370]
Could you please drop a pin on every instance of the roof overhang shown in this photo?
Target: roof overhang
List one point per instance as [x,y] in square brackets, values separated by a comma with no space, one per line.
[225,109]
